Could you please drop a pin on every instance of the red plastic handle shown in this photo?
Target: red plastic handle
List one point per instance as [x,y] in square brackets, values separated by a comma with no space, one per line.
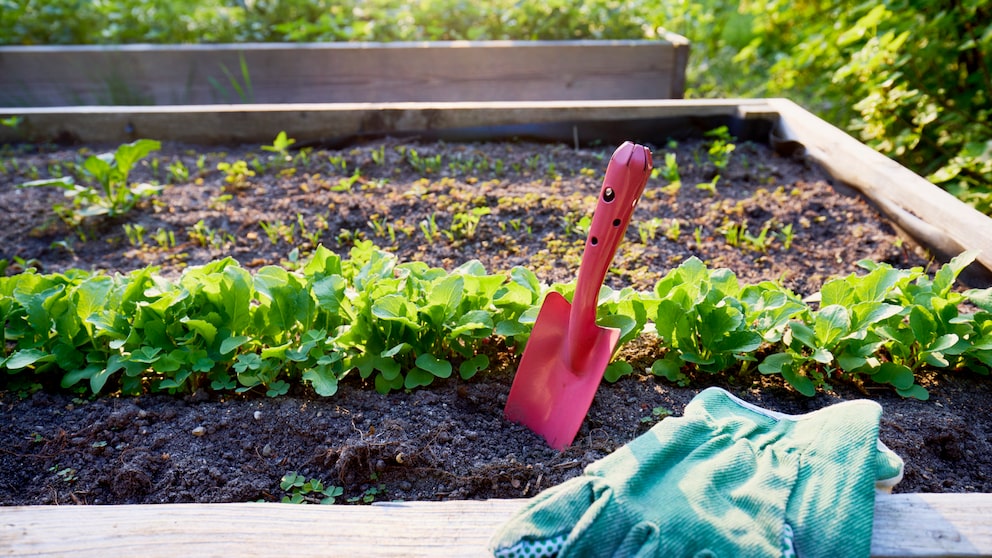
[626,175]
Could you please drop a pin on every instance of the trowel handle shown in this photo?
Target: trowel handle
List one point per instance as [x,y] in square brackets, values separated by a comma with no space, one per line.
[626,175]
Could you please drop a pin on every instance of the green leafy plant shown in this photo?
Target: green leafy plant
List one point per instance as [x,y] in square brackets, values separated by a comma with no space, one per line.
[423,164]
[370,494]
[280,146]
[670,172]
[464,224]
[300,490]
[236,174]
[700,316]
[406,325]
[657,414]
[721,147]
[110,193]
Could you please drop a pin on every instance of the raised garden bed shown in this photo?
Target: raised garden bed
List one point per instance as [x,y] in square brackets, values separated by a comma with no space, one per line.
[404,445]
[49,76]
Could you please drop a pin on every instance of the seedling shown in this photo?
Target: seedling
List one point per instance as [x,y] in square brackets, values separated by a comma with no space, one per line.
[657,414]
[670,172]
[465,223]
[271,231]
[208,237]
[346,184]
[709,186]
[236,174]
[379,155]
[370,494]
[302,491]
[576,224]
[280,146]
[218,202]
[786,235]
[648,230]
[430,228]
[135,234]
[338,162]
[178,172]
[65,474]
[113,195]
[165,238]
[721,147]
[423,164]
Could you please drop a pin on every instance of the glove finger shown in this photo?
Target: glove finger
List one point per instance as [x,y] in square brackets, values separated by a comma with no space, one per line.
[546,525]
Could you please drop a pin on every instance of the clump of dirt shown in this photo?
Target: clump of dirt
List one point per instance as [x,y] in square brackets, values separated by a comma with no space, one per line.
[764,216]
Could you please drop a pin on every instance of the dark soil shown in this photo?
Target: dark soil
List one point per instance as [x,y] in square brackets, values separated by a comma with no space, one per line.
[450,440]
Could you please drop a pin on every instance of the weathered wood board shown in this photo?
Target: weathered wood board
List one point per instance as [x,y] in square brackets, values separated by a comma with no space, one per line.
[342,72]
[905,525]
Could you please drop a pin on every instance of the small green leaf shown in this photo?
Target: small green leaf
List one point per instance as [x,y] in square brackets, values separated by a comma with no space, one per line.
[916,391]
[232,343]
[831,323]
[773,364]
[510,328]
[616,370]
[384,385]
[418,377]
[323,380]
[27,357]
[670,368]
[897,375]
[277,388]
[801,383]
[206,329]
[473,366]
[438,367]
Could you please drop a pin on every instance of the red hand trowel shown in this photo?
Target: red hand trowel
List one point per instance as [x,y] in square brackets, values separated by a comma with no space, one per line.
[567,352]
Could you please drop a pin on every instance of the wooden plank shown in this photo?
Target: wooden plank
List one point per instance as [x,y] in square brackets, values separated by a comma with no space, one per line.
[227,124]
[928,214]
[905,525]
[343,72]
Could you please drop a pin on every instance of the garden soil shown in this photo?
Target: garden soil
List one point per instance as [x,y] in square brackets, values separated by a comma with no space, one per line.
[764,216]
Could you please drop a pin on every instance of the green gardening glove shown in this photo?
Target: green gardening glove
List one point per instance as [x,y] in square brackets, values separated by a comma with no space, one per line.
[726,479]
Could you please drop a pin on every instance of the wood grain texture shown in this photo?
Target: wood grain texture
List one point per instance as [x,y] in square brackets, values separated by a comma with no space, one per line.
[905,525]
[220,124]
[342,72]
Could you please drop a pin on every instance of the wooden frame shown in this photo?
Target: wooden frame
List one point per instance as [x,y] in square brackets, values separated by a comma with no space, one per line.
[904,525]
[342,72]
[923,212]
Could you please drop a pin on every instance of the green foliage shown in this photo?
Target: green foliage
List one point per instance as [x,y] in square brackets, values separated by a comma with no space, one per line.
[404,325]
[112,195]
[300,490]
[187,21]
[887,325]
[401,325]
[911,79]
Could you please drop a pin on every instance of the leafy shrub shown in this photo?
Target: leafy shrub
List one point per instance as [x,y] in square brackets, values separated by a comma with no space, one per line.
[911,79]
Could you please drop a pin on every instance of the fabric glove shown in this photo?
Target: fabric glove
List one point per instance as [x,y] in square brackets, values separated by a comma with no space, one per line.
[726,479]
